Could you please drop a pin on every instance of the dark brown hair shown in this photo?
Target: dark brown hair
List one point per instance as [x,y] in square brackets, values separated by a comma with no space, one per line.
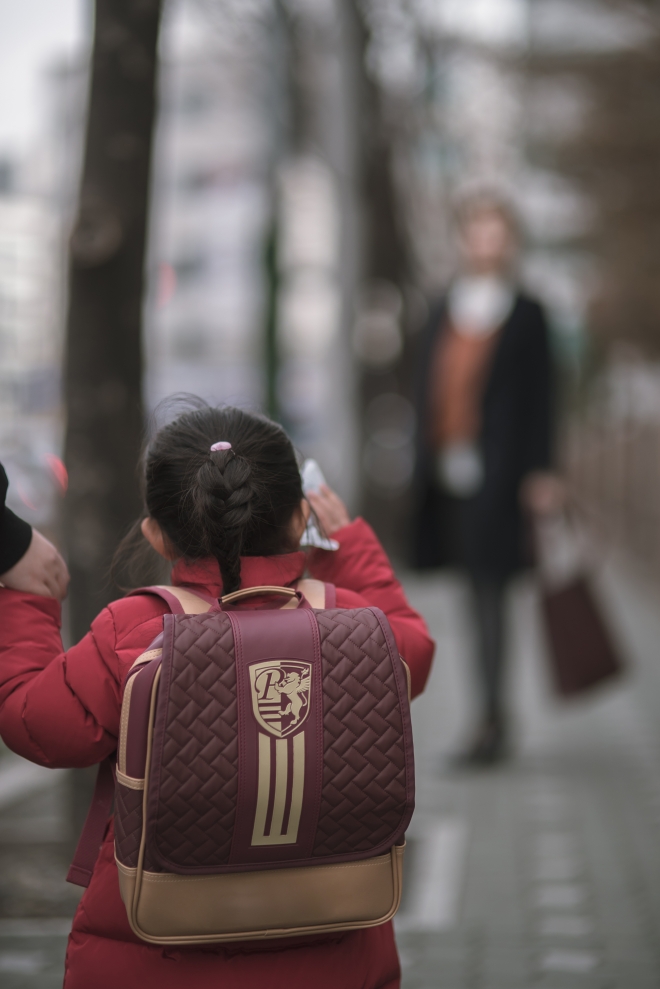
[224,504]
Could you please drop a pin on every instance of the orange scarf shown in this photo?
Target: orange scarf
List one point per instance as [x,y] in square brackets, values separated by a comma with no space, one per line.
[459,368]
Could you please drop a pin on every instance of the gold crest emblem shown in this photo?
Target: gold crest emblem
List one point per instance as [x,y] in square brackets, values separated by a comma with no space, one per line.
[280,694]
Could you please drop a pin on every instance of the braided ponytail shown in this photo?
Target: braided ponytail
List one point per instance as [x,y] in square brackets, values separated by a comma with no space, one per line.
[223,503]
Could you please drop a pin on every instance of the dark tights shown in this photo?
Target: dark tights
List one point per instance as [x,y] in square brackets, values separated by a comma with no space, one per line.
[488,603]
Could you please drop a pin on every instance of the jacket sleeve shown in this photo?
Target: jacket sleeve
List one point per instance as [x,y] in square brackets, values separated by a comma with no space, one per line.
[539,398]
[361,566]
[62,708]
[15,534]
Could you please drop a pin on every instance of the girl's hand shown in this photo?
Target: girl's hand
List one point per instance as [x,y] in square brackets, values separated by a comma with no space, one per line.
[329,508]
[40,571]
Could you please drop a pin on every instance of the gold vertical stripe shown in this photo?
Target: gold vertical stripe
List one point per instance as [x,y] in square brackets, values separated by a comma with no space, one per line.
[279,803]
[298,786]
[263,790]
[281,759]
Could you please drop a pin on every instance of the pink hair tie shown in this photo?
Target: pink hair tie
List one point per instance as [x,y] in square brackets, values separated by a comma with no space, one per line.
[221,445]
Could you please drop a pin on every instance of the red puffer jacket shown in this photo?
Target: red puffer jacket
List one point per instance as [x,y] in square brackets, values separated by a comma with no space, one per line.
[62,709]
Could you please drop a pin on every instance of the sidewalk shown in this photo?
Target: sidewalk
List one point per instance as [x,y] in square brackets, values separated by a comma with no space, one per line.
[36,904]
[543,875]
[546,873]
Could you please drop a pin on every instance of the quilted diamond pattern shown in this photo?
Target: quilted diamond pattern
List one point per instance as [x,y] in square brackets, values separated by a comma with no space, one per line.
[363,796]
[199,767]
[364,791]
[128,824]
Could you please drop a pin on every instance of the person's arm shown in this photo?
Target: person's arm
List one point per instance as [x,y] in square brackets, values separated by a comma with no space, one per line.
[61,708]
[542,490]
[28,561]
[360,565]
[57,708]
[15,534]
[539,397]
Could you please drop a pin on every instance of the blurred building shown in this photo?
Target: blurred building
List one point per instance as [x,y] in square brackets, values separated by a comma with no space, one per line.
[29,310]
[37,199]
[209,217]
[313,388]
[250,292]
[30,306]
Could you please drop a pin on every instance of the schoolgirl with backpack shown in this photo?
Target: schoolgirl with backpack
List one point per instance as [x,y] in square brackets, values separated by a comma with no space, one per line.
[251,724]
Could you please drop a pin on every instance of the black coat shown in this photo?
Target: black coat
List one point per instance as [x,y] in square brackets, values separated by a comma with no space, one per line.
[485,533]
[15,534]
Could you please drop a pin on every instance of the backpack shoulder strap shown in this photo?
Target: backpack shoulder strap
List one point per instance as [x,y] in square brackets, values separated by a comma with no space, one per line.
[179,600]
[93,832]
[319,594]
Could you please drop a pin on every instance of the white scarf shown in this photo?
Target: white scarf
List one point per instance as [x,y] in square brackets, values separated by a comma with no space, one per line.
[479,304]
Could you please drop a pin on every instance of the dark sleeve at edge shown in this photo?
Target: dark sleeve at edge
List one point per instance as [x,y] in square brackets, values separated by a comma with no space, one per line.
[15,534]
[540,425]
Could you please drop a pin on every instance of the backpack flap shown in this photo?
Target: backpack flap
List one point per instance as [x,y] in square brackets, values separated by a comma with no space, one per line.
[282,737]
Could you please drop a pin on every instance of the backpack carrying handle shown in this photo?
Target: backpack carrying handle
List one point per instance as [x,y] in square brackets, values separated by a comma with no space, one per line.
[296,598]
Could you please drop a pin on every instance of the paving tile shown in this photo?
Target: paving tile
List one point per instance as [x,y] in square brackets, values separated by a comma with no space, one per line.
[575,961]
[560,896]
[553,980]
[565,925]
[31,962]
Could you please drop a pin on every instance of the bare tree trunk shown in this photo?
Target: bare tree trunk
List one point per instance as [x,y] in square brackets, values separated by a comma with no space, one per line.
[103,364]
[386,259]
[103,370]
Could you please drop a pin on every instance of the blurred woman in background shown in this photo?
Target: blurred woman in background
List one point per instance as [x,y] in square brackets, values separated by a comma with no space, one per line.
[485,397]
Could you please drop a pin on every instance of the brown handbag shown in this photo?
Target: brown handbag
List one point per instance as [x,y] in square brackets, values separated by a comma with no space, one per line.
[264,777]
[582,652]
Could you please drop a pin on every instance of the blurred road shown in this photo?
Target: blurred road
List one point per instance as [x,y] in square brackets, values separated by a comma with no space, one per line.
[542,875]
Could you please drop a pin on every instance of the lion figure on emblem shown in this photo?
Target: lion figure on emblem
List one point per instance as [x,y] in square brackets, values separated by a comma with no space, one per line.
[294,688]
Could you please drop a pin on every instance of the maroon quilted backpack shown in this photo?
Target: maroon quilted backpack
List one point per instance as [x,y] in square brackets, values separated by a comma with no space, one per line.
[264,777]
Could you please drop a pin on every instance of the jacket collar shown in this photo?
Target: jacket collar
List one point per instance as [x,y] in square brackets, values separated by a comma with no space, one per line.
[255,571]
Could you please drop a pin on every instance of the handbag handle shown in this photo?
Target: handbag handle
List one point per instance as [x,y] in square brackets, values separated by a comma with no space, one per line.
[250,592]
